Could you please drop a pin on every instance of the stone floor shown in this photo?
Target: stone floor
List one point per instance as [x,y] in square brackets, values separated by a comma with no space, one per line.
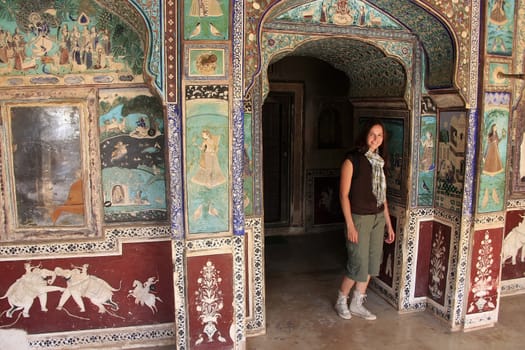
[302,277]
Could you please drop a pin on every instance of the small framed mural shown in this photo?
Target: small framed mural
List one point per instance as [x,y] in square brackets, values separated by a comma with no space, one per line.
[396,125]
[323,206]
[207,61]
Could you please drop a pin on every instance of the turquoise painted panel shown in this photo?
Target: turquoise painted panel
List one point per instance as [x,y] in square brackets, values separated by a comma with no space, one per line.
[500,27]
[351,12]
[427,160]
[37,38]
[206,19]
[207,142]
[494,153]
[131,129]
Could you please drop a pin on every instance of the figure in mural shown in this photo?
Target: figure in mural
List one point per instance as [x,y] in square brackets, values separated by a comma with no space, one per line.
[82,285]
[497,14]
[427,160]
[363,201]
[35,283]
[492,164]
[205,8]
[343,15]
[209,173]
[117,194]
[492,159]
[143,293]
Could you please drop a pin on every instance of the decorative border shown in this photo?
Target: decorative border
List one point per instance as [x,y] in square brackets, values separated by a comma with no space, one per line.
[211,246]
[257,323]
[162,334]
[455,271]
[111,245]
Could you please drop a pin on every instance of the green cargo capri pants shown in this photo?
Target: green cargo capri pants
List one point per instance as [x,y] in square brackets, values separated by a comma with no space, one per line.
[364,257]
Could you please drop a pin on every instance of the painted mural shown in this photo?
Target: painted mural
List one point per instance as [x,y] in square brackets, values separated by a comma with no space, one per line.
[484,275]
[451,160]
[210,295]
[494,152]
[206,19]
[500,27]
[340,12]
[132,156]
[513,249]
[207,158]
[44,43]
[439,258]
[54,295]
[427,160]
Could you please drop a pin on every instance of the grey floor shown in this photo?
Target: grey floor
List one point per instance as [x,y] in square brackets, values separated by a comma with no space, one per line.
[302,277]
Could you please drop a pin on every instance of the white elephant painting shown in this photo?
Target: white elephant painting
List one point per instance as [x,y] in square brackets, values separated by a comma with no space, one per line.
[36,282]
[513,242]
[142,292]
[82,285]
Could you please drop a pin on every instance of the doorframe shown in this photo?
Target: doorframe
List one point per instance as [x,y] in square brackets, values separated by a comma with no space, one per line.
[297,157]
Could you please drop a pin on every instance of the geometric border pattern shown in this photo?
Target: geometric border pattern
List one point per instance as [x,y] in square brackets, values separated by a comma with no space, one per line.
[161,334]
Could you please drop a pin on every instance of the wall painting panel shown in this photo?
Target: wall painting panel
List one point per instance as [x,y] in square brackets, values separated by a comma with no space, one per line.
[451,159]
[207,158]
[427,160]
[500,27]
[206,19]
[63,295]
[44,44]
[485,270]
[210,301]
[439,257]
[513,250]
[132,156]
[494,152]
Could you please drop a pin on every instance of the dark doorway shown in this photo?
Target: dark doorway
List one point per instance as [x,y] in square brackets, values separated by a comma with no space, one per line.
[277,117]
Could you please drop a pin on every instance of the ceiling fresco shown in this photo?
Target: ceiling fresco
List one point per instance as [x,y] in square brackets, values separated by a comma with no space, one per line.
[365,67]
[399,20]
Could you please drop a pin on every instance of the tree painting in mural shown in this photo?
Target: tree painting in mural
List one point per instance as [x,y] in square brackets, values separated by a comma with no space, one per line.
[132,143]
[66,36]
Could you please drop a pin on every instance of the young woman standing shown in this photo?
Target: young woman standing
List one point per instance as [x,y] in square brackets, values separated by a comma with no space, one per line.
[362,192]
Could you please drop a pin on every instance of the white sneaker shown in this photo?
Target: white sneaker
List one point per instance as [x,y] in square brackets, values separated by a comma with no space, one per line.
[357,308]
[341,307]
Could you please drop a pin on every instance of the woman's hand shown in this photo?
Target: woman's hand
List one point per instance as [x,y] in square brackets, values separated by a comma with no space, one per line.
[352,234]
[391,235]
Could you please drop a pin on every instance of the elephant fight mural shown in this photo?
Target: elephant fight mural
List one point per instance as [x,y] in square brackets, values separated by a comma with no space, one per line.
[87,293]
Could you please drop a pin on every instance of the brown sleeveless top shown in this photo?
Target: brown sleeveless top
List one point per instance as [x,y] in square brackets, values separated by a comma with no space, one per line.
[361,197]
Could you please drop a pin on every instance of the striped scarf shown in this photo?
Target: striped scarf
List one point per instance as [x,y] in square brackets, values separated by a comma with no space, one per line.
[378,176]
